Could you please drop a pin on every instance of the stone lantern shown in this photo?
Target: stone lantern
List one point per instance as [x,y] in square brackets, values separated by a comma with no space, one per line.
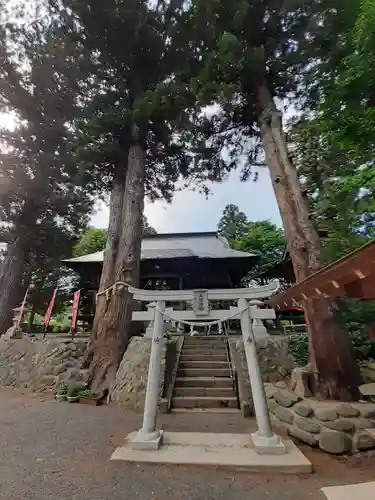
[15,331]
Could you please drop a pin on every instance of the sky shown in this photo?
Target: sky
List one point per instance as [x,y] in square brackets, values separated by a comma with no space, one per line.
[192,212]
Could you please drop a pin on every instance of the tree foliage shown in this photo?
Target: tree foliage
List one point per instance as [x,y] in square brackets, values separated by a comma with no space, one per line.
[232,224]
[260,237]
[267,240]
[333,144]
[42,203]
[94,239]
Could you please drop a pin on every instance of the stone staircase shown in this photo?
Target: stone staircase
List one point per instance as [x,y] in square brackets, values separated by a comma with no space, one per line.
[204,377]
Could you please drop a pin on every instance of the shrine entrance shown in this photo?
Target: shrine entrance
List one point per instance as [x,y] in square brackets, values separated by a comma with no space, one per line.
[200,313]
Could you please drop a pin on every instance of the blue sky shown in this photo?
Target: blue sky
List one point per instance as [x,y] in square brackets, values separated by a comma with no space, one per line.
[191,211]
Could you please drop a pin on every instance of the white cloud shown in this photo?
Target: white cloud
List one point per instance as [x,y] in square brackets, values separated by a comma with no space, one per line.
[191,211]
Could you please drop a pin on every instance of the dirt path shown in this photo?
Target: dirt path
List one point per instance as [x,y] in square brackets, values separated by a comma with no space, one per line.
[52,451]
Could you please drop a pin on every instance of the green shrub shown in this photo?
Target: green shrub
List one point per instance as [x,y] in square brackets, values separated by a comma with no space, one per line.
[62,389]
[299,349]
[364,347]
[73,391]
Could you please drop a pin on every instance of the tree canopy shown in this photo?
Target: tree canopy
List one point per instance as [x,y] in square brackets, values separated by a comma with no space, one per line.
[94,239]
[260,237]
[43,205]
[233,223]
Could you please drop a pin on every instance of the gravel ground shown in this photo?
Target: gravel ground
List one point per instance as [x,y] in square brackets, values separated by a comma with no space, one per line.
[54,451]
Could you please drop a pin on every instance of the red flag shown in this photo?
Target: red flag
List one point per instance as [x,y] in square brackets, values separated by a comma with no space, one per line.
[75,308]
[47,316]
[22,307]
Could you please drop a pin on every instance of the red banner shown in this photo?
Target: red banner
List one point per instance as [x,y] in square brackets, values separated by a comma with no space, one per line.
[75,308]
[22,307]
[47,316]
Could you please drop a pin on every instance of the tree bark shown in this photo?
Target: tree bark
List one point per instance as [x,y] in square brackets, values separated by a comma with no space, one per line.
[113,313]
[107,277]
[11,273]
[335,370]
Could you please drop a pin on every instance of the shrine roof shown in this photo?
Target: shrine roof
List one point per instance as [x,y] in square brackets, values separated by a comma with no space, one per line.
[207,245]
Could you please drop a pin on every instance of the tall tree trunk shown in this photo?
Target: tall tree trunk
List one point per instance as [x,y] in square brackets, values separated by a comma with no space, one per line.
[335,370]
[113,313]
[107,277]
[11,273]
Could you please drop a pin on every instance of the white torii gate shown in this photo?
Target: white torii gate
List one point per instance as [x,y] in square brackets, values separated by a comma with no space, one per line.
[149,437]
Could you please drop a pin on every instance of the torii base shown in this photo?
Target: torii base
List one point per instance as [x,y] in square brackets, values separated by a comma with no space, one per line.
[268,445]
[233,451]
[150,442]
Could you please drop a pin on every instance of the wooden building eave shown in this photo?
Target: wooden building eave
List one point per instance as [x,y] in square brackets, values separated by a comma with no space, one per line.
[352,276]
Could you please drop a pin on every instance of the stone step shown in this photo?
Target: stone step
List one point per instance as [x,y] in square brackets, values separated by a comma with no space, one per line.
[204,402]
[204,342]
[203,357]
[204,338]
[186,363]
[203,372]
[205,350]
[204,410]
[197,355]
[203,382]
[216,392]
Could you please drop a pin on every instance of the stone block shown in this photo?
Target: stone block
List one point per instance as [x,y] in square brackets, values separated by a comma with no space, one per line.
[340,424]
[363,441]
[346,410]
[325,414]
[271,404]
[13,333]
[285,398]
[281,384]
[304,436]
[62,367]
[284,414]
[335,442]
[303,409]
[300,382]
[270,390]
[367,389]
[307,425]
[361,423]
[368,411]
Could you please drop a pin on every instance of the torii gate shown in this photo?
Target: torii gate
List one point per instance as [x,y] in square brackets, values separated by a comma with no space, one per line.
[149,437]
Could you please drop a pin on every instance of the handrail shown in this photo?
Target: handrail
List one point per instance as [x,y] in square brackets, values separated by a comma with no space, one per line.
[231,370]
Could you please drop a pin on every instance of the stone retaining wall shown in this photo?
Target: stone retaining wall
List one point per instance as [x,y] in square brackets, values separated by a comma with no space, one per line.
[275,361]
[333,427]
[42,365]
[38,365]
[131,379]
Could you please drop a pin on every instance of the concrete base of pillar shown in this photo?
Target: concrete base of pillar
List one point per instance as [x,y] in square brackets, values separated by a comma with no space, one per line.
[147,441]
[234,451]
[268,445]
